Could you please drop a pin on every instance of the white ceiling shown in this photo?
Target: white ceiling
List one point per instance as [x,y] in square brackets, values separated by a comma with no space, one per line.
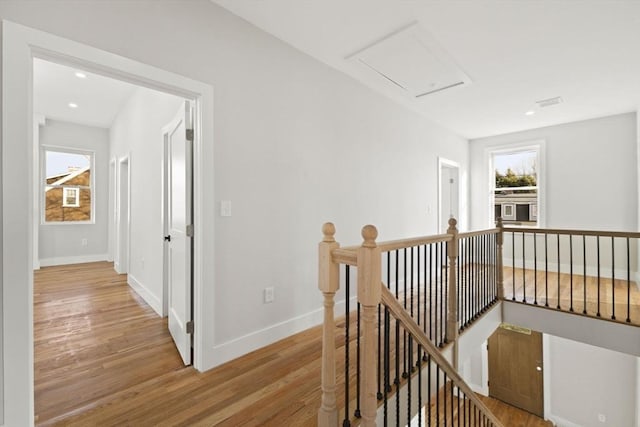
[516,52]
[99,98]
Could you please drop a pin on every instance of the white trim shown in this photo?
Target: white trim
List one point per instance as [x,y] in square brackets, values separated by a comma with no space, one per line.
[70,192]
[149,297]
[77,259]
[537,145]
[254,340]
[123,219]
[561,422]
[20,45]
[546,376]
[44,187]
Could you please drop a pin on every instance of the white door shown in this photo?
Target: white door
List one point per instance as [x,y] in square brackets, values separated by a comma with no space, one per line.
[449,193]
[179,229]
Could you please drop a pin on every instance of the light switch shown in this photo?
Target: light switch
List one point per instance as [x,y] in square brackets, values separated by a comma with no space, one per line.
[225,208]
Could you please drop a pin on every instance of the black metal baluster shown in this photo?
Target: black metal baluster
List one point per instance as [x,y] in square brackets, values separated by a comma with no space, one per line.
[404,332]
[396,380]
[437,395]
[458,393]
[439,294]
[535,269]
[419,389]
[513,264]
[571,272]
[429,390]
[546,271]
[628,284]
[451,401]
[346,422]
[584,273]
[524,270]
[483,272]
[431,284]
[387,367]
[445,273]
[558,306]
[459,288]
[444,398]
[411,367]
[357,411]
[613,279]
[598,251]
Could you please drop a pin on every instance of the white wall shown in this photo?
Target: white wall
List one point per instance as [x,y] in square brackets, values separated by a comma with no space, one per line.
[137,132]
[591,173]
[62,243]
[586,381]
[296,144]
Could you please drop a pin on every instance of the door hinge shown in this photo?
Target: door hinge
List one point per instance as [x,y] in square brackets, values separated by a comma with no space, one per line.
[167,238]
[190,230]
[190,327]
[189,135]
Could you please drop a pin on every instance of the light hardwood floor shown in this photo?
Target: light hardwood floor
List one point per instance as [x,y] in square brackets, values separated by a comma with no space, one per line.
[588,297]
[104,358]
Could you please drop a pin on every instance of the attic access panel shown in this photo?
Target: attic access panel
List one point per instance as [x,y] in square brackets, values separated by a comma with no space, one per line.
[412,61]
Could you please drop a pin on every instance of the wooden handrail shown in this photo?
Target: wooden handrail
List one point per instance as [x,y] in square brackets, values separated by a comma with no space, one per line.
[390,301]
[478,233]
[393,245]
[630,234]
[344,256]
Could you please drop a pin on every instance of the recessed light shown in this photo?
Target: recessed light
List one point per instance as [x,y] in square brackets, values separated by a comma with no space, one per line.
[81,75]
[530,113]
[73,105]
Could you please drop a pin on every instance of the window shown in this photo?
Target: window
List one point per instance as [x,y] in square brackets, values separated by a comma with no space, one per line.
[71,198]
[516,192]
[67,186]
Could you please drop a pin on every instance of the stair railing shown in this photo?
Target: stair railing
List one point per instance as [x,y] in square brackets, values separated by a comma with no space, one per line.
[427,262]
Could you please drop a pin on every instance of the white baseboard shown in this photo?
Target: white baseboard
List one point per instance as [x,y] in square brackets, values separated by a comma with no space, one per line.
[240,346]
[151,299]
[78,259]
[561,422]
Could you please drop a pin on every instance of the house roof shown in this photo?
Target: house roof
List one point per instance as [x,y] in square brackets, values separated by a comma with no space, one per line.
[67,177]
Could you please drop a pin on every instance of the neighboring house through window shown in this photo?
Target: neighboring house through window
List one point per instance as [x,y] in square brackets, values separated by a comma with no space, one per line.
[68,185]
[516,189]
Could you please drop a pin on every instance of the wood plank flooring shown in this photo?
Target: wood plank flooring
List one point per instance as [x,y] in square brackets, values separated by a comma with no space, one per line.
[104,358]
[581,293]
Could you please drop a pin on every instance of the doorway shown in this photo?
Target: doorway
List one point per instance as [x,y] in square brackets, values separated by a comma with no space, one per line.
[516,368]
[448,193]
[20,46]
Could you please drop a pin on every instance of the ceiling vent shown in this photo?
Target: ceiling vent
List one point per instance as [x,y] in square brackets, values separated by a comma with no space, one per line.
[549,102]
[412,61]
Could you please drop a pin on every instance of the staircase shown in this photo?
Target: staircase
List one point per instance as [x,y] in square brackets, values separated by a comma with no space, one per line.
[415,296]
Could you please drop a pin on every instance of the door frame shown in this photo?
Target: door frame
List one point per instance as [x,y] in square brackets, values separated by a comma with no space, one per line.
[448,164]
[20,45]
[122,230]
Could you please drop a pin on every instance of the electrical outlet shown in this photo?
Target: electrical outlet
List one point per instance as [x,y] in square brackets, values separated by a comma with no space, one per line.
[269,294]
[602,418]
[85,242]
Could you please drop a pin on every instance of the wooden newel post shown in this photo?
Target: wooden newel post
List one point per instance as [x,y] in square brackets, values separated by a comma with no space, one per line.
[499,262]
[369,296]
[328,282]
[452,312]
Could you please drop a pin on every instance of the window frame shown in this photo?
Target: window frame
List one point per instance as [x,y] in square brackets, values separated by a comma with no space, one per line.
[539,147]
[76,196]
[43,183]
